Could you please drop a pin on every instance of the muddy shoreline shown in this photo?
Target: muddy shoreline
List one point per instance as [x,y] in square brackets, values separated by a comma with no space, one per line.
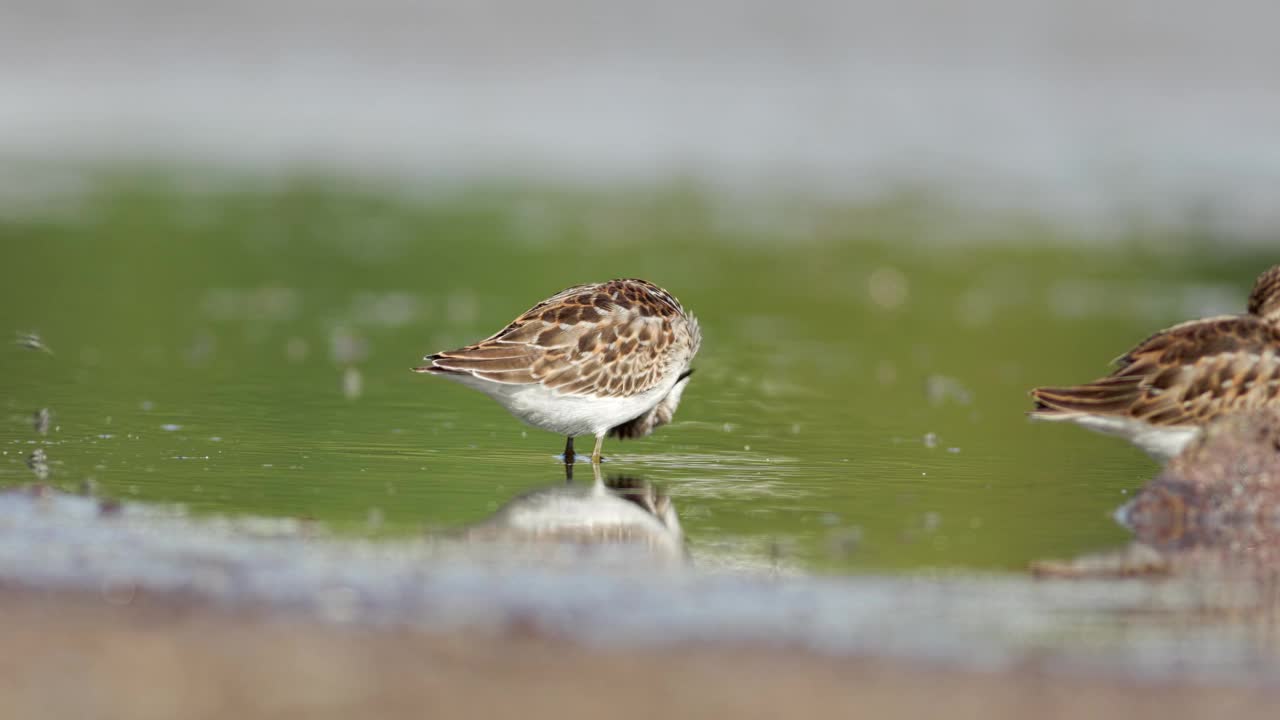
[159,655]
[580,601]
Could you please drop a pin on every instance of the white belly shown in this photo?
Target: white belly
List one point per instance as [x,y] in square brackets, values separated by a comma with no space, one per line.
[1161,443]
[566,414]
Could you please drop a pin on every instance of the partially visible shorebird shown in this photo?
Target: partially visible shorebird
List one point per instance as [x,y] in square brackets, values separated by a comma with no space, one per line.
[609,359]
[1164,391]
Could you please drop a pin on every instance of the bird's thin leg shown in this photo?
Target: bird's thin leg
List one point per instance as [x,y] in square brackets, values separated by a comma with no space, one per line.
[595,456]
[568,451]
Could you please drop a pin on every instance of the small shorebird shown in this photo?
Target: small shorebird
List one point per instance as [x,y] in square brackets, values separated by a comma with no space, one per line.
[1164,391]
[610,359]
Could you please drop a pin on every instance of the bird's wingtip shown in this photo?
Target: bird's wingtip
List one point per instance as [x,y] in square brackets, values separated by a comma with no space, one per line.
[438,370]
[430,366]
[1045,407]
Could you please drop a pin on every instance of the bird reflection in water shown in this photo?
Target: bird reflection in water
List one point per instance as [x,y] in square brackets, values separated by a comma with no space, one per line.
[1213,511]
[619,511]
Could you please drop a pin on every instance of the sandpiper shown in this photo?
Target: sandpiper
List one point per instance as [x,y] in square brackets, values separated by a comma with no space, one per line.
[609,359]
[1164,391]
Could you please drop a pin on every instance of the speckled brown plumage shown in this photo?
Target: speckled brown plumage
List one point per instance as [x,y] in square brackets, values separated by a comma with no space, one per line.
[1186,375]
[1190,373]
[605,340]
[619,340]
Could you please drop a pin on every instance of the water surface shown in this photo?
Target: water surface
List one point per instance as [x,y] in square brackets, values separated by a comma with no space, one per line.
[244,347]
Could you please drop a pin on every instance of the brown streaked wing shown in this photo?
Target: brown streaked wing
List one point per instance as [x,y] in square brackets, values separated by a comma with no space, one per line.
[608,340]
[612,362]
[509,364]
[1183,376]
[517,330]
[1189,342]
[511,354]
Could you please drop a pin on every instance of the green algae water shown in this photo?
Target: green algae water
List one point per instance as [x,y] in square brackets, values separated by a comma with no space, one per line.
[859,402]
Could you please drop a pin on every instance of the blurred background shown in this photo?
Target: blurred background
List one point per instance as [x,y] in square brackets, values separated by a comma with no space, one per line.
[1095,110]
[237,225]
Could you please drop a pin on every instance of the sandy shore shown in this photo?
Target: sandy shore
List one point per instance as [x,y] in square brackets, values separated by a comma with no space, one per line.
[159,656]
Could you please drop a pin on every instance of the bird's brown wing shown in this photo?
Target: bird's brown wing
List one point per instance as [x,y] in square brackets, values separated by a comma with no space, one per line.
[605,340]
[1181,376]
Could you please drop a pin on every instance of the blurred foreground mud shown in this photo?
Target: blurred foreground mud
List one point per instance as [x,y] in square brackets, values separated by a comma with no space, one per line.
[164,656]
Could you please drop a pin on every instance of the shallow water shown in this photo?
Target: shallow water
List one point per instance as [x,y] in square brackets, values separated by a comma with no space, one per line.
[244,347]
